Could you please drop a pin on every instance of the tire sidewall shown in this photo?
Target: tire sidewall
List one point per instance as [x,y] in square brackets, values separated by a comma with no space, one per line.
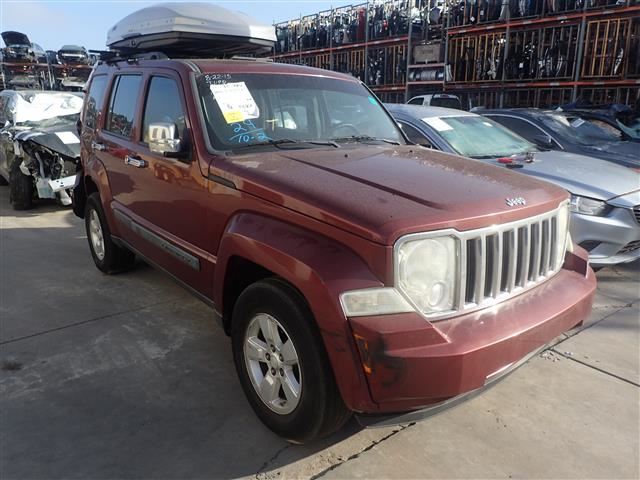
[307,418]
[93,203]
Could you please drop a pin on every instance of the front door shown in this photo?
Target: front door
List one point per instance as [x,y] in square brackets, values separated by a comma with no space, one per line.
[160,201]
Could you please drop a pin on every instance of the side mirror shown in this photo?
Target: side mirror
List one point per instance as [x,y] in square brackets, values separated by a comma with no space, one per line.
[163,139]
[544,141]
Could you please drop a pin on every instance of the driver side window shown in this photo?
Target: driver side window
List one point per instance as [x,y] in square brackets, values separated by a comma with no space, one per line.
[163,105]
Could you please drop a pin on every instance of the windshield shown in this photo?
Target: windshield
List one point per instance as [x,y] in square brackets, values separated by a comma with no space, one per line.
[45,109]
[577,130]
[244,110]
[478,137]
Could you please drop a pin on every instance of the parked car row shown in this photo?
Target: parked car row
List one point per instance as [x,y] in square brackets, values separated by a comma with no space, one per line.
[355,271]
[605,196]
[25,65]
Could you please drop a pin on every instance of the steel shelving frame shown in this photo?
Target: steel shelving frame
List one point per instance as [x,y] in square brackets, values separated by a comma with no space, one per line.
[496,92]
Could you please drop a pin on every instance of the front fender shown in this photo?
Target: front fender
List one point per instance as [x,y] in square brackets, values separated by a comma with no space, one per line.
[320,269]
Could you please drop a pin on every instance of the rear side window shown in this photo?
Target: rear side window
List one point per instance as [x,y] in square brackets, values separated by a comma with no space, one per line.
[94,101]
[414,135]
[163,105]
[521,127]
[122,105]
[446,102]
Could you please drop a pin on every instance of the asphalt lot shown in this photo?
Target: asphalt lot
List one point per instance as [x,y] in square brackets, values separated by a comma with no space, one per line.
[130,376]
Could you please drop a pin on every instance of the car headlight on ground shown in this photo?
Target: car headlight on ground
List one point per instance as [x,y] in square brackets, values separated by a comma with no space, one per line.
[588,206]
[426,270]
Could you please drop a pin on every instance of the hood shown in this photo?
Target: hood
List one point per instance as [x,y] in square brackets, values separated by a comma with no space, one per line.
[383,192]
[582,175]
[15,38]
[63,140]
[626,153]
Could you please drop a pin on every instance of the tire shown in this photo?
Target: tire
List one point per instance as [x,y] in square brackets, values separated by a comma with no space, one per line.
[108,257]
[318,410]
[20,188]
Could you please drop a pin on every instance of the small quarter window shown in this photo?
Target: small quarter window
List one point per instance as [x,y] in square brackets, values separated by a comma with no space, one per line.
[93,104]
[122,106]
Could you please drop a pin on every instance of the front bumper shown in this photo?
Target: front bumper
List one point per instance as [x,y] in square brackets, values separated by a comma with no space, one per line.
[412,364]
[614,235]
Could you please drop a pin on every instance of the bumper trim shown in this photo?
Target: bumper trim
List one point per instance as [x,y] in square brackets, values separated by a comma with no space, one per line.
[394,419]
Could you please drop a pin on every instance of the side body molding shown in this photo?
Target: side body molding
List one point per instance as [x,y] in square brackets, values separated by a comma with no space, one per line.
[320,269]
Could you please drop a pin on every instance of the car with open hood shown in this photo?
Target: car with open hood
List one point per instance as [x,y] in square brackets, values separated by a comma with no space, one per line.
[39,145]
[353,271]
[568,132]
[18,47]
[605,198]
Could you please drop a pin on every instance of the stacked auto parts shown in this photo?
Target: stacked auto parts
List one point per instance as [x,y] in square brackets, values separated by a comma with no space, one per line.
[544,53]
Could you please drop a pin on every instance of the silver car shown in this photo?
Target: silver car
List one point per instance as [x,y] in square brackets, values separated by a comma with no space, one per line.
[605,198]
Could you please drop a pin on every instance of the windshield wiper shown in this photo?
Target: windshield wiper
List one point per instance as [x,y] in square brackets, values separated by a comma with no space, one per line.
[365,138]
[287,141]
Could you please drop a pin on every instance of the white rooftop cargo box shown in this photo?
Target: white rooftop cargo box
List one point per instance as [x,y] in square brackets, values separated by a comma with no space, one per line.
[194,28]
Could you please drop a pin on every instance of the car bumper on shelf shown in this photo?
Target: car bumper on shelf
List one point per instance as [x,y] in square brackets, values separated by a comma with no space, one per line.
[612,239]
[412,364]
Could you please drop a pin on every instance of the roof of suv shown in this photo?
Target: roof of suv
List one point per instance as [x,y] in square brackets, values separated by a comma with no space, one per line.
[233,66]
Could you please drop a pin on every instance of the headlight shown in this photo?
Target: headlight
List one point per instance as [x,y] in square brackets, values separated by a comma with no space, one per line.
[588,206]
[427,271]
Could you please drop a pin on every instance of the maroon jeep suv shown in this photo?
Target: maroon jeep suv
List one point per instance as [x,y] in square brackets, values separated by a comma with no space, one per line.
[354,272]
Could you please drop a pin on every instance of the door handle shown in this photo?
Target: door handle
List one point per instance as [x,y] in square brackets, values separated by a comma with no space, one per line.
[135,161]
[98,146]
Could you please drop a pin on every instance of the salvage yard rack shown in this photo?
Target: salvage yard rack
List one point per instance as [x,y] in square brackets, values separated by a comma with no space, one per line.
[491,53]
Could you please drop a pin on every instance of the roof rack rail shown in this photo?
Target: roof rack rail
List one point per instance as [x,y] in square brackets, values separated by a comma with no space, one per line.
[252,59]
[121,55]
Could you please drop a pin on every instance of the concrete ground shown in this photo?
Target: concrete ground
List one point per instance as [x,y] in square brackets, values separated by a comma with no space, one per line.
[129,376]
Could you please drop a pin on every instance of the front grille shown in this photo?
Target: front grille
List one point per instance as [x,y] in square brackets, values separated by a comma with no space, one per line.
[630,247]
[498,261]
[636,213]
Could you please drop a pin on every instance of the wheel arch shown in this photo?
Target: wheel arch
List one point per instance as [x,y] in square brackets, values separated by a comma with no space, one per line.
[255,247]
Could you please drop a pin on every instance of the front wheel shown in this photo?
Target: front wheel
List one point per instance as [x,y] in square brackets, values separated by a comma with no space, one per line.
[20,188]
[282,365]
[108,257]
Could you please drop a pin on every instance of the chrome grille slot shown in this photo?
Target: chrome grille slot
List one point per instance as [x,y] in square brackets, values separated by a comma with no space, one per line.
[502,260]
[636,213]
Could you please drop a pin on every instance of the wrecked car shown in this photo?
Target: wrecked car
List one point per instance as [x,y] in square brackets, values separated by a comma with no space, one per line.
[73,68]
[18,47]
[39,146]
[24,64]
[74,54]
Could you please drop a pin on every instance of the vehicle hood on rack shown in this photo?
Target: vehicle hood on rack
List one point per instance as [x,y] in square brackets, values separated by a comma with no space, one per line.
[581,175]
[381,192]
[15,38]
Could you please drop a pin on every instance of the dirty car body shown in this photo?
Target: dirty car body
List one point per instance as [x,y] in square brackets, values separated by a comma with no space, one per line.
[39,140]
[605,198]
